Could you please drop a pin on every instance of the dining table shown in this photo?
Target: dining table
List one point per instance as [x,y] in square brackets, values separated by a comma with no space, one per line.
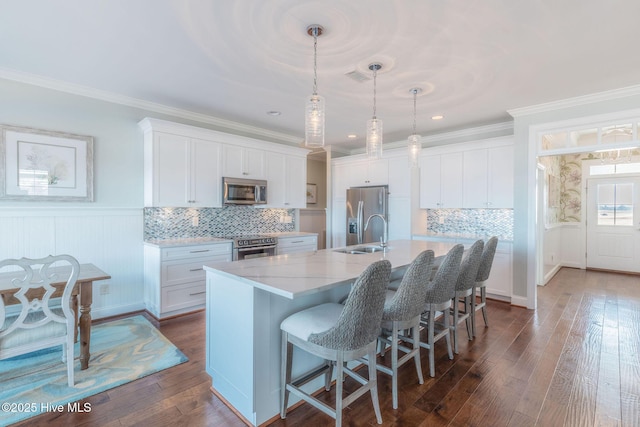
[81,300]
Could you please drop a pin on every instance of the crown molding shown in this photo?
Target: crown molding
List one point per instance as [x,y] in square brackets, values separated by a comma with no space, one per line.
[478,132]
[115,98]
[576,101]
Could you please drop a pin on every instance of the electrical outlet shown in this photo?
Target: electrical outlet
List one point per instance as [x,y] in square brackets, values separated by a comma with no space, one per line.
[286,219]
[195,221]
[104,289]
[441,220]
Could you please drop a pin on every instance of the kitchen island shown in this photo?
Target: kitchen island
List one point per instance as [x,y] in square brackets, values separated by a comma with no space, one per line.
[247,300]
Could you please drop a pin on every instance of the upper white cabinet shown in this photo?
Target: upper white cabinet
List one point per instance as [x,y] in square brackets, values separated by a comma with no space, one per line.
[184,166]
[488,178]
[287,180]
[181,171]
[441,181]
[243,162]
[476,175]
[359,174]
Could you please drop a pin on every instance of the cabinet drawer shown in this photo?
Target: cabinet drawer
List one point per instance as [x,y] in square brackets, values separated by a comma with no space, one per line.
[183,296]
[196,251]
[292,242]
[182,271]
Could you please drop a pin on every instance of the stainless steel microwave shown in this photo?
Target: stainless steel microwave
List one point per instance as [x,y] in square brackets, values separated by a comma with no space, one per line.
[239,191]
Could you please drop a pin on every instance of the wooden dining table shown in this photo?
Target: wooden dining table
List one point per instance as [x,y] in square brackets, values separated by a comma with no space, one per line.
[82,293]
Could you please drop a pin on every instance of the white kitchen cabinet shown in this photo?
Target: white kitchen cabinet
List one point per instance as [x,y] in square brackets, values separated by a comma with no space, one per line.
[360,173]
[399,177]
[488,178]
[243,162]
[293,244]
[500,280]
[181,171]
[174,279]
[441,181]
[287,179]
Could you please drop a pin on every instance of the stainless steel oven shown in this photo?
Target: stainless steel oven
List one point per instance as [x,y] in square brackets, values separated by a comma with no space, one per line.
[248,247]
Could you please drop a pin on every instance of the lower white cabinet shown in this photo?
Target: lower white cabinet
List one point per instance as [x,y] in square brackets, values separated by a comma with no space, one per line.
[289,245]
[174,279]
[500,282]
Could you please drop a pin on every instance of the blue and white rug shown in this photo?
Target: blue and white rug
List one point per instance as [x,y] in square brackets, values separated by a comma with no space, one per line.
[121,351]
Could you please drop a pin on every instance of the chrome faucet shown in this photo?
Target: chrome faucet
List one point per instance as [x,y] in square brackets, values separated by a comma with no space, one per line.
[384,240]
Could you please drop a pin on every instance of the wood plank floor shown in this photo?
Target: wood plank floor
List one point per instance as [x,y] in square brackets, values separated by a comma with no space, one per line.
[575,361]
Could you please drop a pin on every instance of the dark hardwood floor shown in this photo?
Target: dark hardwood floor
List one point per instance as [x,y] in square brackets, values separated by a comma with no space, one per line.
[575,361]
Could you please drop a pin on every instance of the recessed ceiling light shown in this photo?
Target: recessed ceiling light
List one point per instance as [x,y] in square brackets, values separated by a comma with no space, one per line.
[437,117]
[274,113]
[352,136]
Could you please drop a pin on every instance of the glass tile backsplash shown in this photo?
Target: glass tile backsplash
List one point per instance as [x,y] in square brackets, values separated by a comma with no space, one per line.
[480,222]
[177,223]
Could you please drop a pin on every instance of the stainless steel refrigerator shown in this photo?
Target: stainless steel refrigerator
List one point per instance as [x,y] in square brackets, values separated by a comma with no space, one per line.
[362,202]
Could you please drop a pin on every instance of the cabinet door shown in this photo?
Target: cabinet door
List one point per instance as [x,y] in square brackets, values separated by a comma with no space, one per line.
[339,223]
[500,177]
[430,182]
[242,162]
[206,182]
[475,169]
[399,177]
[170,182]
[254,163]
[451,180]
[232,163]
[276,177]
[295,182]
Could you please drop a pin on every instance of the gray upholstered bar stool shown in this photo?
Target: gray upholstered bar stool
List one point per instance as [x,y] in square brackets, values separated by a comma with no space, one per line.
[483,274]
[440,293]
[338,333]
[464,290]
[402,309]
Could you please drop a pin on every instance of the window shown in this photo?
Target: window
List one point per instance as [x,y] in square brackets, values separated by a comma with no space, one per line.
[614,168]
[615,204]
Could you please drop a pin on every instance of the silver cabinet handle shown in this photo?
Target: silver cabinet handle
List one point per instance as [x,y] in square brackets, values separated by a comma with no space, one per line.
[197,293]
[196,269]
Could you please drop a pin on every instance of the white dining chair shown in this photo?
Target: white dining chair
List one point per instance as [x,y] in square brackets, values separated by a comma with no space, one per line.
[31,317]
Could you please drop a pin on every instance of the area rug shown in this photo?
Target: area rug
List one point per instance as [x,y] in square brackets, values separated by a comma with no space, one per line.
[121,351]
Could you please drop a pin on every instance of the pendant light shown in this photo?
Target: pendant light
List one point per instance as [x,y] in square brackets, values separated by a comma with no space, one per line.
[314,108]
[374,125]
[415,143]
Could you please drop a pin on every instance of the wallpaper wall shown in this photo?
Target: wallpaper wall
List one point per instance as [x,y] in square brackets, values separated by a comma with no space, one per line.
[563,187]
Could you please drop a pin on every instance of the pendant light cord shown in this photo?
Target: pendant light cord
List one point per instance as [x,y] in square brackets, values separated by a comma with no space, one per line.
[315,61]
[415,94]
[375,72]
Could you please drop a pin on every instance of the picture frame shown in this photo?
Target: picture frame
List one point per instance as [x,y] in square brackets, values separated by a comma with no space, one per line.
[42,165]
[312,193]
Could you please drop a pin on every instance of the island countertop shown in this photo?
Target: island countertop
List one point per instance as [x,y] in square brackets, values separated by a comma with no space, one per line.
[295,275]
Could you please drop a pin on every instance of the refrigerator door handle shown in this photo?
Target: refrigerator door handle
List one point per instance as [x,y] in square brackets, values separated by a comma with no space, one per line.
[360,221]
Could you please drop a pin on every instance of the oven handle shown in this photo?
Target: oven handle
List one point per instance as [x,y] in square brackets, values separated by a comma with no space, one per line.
[256,247]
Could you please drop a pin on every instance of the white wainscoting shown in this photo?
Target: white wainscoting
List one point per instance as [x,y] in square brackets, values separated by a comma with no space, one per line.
[110,238]
[563,247]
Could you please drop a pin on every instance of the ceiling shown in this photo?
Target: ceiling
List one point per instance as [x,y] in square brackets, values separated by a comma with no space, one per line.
[237,60]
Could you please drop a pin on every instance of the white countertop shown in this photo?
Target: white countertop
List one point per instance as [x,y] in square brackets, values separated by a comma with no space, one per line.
[299,274]
[168,243]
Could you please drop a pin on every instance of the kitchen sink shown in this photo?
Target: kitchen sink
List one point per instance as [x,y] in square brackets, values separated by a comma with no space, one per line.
[359,250]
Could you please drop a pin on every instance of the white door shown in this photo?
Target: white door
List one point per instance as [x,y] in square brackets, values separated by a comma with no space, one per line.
[613,223]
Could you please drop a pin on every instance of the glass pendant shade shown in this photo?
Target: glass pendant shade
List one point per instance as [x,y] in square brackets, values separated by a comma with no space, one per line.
[374,138]
[414,147]
[314,107]
[314,121]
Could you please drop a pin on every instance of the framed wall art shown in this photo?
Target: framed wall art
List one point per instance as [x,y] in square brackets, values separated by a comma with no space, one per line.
[312,193]
[41,165]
